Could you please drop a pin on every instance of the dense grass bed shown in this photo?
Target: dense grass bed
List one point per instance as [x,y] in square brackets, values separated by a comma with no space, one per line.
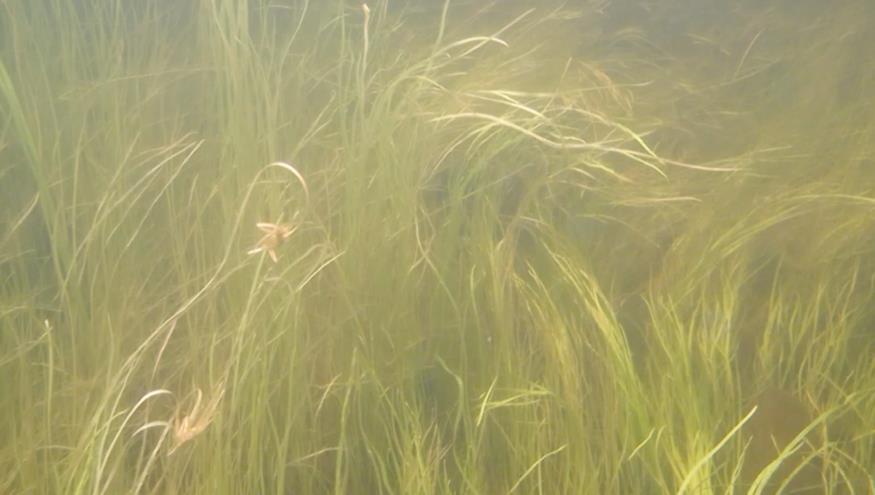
[295,247]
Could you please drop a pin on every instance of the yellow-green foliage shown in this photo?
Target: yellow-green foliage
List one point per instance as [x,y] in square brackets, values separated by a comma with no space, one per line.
[491,247]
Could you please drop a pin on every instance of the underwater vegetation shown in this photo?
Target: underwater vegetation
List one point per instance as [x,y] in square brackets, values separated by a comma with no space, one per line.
[430,247]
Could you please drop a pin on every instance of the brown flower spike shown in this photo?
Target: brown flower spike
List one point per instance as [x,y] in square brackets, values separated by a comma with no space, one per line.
[195,422]
[274,235]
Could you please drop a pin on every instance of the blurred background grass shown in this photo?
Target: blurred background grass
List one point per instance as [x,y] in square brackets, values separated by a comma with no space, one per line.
[590,247]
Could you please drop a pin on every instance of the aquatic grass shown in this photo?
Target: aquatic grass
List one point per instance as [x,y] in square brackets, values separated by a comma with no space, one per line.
[490,282]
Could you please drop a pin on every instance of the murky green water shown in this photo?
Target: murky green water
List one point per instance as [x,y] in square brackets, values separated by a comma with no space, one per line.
[437,247]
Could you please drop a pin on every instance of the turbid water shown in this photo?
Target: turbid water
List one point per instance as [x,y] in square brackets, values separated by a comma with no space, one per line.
[479,247]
